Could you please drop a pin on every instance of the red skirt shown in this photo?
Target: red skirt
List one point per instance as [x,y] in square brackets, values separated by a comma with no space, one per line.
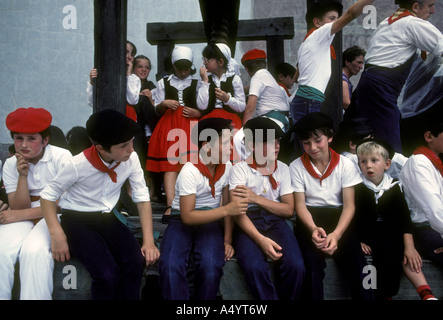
[236,125]
[170,145]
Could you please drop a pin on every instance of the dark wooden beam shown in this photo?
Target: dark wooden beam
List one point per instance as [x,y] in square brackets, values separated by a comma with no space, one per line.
[273,30]
[194,32]
[110,18]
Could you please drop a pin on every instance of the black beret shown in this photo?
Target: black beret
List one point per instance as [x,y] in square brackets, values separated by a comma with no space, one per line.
[261,125]
[217,124]
[356,127]
[313,121]
[111,127]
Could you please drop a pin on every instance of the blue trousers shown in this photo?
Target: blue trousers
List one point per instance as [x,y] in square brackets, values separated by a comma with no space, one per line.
[206,242]
[289,269]
[427,240]
[109,251]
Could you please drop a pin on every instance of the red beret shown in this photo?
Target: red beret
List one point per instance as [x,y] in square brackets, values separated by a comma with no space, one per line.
[253,54]
[28,120]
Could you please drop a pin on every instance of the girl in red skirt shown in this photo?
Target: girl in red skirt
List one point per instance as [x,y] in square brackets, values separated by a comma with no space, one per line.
[221,94]
[176,101]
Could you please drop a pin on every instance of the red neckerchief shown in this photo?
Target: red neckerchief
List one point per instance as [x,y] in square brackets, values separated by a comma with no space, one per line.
[335,159]
[219,172]
[274,183]
[94,158]
[400,13]
[333,54]
[130,112]
[284,87]
[436,161]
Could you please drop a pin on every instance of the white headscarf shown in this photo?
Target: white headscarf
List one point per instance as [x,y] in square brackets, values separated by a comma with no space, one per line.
[180,53]
[232,67]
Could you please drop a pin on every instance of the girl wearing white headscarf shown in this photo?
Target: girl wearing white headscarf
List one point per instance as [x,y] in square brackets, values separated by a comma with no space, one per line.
[175,101]
[221,94]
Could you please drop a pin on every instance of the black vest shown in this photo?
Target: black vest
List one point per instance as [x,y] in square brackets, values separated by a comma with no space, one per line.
[227,87]
[189,95]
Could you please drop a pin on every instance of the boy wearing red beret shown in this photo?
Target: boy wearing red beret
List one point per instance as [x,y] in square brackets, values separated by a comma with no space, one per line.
[266,98]
[89,188]
[24,235]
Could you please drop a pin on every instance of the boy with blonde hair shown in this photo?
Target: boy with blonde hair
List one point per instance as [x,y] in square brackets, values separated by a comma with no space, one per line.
[384,225]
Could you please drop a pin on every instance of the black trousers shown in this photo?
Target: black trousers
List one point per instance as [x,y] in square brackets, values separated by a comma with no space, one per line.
[108,250]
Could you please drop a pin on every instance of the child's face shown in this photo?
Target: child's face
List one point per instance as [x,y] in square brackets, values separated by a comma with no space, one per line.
[142,68]
[329,16]
[265,153]
[212,65]
[287,81]
[182,73]
[317,147]
[129,56]
[435,143]
[373,166]
[117,152]
[30,146]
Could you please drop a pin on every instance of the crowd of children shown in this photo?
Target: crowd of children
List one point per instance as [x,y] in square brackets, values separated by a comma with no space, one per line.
[217,153]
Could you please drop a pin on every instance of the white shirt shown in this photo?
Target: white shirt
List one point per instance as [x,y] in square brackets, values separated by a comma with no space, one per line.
[133,86]
[191,181]
[329,193]
[243,175]
[423,189]
[314,58]
[39,175]
[270,95]
[84,188]
[393,44]
[158,95]
[236,102]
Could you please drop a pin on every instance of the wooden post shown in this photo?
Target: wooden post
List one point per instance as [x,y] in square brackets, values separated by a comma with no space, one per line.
[110,17]
[333,105]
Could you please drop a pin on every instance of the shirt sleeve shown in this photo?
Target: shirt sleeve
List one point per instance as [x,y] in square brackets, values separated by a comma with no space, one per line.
[422,190]
[351,176]
[61,182]
[188,180]
[238,101]
[237,176]
[285,182]
[297,180]
[140,192]
[425,36]
[89,90]
[10,175]
[203,96]
[133,86]
[256,87]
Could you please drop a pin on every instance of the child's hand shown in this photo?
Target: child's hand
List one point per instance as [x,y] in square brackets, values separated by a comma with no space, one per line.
[3,206]
[270,248]
[92,75]
[171,104]
[221,95]
[413,259]
[246,193]
[8,216]
[191,113]
[151,254]
[319,237]
[365,248]
[204,74]
[59,247]
[438,250]
[237,206]
[22,165]
[128,68]
[146,93]
[331,244]
[229,251]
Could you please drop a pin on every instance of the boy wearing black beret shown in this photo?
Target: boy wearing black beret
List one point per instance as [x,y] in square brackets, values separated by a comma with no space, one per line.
[89,188]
